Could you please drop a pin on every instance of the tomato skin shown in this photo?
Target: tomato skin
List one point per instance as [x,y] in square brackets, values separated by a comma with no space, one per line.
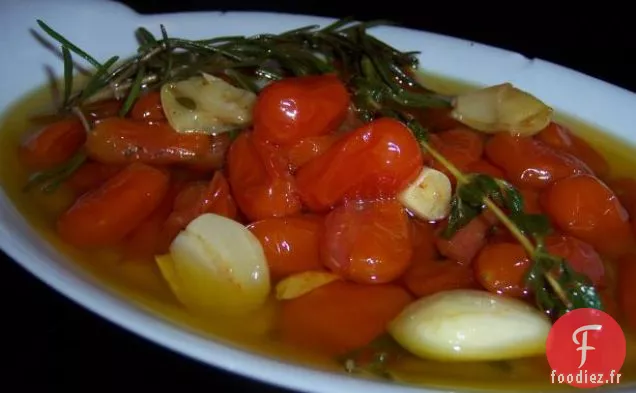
[309,148]
[584,207]
[423,239]
[194,199]
[291,244]
[425,278]
[627,289]
[104,216]
[91,175]
[560,137]
[260,179]
[368,242]
[460,146]
[341,316]
[295,108]
[148,107]
[466,242]
[485,168]
[100,110]
[374,161]
[530,163]
[581,256]
[52,145]
[625,190]
[501,268]
[123,141]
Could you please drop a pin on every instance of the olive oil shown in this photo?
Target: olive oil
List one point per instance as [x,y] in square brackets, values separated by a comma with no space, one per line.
[141,283]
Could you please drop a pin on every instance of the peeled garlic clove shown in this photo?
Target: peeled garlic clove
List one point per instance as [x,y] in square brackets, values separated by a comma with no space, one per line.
[216,265]
[299,284]
[471,325]
[429,196]
[502,108]
[206,104]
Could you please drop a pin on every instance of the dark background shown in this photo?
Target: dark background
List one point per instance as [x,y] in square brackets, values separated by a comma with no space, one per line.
[51,344]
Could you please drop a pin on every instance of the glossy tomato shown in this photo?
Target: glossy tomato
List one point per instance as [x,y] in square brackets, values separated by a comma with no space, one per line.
[368,242]
[376,160]
[291,244]
[260,179]
[530,163]
[295,108]
[584,207]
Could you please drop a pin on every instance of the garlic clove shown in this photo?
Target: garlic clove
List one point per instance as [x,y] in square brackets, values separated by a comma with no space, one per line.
[471,325]
[206,104]
[429,196]
[299,284]
[502,108]
[216,265]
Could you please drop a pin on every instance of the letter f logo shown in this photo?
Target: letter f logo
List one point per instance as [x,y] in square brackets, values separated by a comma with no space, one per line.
[584,347]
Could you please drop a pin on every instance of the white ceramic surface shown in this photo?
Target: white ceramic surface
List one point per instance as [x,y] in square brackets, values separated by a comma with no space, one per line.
[105,28]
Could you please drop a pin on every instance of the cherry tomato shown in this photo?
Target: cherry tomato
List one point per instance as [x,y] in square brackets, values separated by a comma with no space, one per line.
[100,110]
[195,199]
[104,216]
[460,146]
[90,175]
[295,108]
[122,141]
[627,289]
[625,190]
[309,148]
[291,244]
[425,278]
[376,160]
[501,268]
[584,207]
[582,257]
[438,119]
[53,144]
[148,107]
[423,236]
[485,168]
[465,243]
[341,316]
[368,242]
[260,179]
[562,138]
[531,163]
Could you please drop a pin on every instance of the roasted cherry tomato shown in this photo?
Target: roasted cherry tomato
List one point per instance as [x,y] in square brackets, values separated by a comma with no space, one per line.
[309,148]
[104,216]
[425,278]
[295,108]
[466,242]
[291,244]
[581,256]
[368,242]
[501,268]
[531,163]
[122,141]
[148,107]
[560,137]
[260,179]
[627,289]
[341,316]
[195,199]
[53,144]
[584,207]
[90,175]
[423,238]
[376,160]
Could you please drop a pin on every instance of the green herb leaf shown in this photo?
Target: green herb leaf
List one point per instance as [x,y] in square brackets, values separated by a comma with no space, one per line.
[68,44]
[134,93]
[68,75]
[49,181]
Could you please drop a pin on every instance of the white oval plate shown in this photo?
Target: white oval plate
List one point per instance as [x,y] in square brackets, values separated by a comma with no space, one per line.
[104,28]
